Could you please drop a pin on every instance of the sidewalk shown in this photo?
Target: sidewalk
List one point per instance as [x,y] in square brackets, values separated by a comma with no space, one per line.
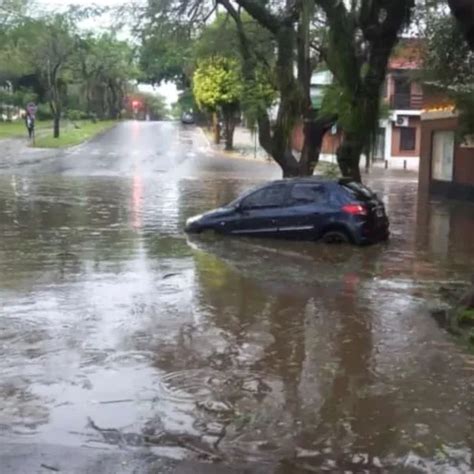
[16,151]
[246,146]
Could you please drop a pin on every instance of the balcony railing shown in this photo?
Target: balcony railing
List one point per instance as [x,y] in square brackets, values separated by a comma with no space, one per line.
[406,101]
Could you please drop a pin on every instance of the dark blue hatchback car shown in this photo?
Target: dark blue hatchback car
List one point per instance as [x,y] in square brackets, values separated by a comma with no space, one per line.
[302,208]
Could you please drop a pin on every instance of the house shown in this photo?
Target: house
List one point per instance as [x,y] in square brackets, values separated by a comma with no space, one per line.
[399,134]
[447,159]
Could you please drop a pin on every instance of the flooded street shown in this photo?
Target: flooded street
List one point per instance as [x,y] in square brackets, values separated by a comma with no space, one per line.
[118,333]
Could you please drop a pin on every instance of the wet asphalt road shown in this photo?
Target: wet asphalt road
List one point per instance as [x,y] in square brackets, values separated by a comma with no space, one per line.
[127,347]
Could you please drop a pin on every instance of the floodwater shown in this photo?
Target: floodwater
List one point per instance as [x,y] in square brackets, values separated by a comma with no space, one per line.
[119,332]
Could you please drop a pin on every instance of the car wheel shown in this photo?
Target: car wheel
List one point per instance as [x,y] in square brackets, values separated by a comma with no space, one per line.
[335,237]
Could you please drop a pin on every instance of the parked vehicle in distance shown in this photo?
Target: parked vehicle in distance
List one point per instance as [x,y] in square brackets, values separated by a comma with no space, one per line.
[302,208]
[187,118]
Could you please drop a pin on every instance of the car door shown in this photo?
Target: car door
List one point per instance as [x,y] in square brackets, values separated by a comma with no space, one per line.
[258,214]
[308,211]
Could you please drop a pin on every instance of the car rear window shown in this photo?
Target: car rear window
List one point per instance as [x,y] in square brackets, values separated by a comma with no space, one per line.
[271,196]
[302,193]
[358,190]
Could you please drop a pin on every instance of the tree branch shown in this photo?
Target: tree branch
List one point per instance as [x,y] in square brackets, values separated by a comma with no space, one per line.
[261,14]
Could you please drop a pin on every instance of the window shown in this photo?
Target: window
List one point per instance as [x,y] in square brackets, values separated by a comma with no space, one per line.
[402,85]
[407,138]
[307,193]
[273,196]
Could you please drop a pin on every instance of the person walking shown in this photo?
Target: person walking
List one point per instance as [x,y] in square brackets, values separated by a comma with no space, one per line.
[30,124]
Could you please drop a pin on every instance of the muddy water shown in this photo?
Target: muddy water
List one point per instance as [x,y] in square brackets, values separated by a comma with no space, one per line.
[116,331]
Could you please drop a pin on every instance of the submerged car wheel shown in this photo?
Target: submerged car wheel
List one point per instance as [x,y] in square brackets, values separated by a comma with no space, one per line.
[335,237]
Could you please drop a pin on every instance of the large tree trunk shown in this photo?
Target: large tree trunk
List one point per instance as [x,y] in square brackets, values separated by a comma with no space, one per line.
[348,155]
[229,115]
[295,101]
[463,10]
[56,111]
[55,99]
[314,131]
[216,128]
[290,104]
[57,121]
[229,133]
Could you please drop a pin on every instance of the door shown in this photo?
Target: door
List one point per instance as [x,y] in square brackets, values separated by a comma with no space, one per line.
[379,146]
[308,211]
[442,164]
[259,213]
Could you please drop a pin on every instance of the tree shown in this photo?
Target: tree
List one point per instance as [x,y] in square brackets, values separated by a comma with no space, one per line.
[49,53]
[449,66]
[217,85]
[221,38]
[287,25]
[361,39]
[463,10]
[103,66]
[166,54]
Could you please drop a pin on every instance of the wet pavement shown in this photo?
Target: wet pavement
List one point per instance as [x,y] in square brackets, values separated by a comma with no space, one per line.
[127,347]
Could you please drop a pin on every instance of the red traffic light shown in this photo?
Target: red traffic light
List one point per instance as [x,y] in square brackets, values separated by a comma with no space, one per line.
[136,104]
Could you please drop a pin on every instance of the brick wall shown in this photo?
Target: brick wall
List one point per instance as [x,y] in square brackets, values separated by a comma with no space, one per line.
[463,179]
[396,151]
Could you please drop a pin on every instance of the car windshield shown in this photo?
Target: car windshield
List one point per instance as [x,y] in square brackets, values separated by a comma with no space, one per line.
[236,202]
[358,190]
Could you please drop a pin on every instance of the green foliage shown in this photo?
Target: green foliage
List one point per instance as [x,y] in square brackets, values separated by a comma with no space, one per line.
[44,112]
[217,82]
[74,135]
[48,58]
[18,98]
[218,39]
[466,317]
[337,101]
[449,66]
[258,96]
[166,54]
[17,128]
[103,66]
[447,59]
[221,39]
[76,115]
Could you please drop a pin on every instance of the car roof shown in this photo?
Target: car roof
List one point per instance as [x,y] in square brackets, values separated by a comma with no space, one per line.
[304,180]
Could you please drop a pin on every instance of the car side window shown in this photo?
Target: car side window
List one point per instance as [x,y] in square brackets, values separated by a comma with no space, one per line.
[272,196]
[308,193]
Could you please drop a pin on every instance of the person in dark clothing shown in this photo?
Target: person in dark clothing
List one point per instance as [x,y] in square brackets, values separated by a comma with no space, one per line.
[30,124]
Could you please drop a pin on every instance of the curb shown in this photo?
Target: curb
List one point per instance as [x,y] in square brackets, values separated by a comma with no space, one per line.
[234,154]
[79,145]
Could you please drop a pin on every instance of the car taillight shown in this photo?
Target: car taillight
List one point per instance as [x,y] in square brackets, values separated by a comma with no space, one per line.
[355,209]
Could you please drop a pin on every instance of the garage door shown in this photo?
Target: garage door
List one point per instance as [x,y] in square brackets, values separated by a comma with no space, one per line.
[443,156]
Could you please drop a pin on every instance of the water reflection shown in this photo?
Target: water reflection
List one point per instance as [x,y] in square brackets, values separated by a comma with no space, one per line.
[116,330]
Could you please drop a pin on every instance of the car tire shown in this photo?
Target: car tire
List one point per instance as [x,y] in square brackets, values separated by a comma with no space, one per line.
[335,237]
